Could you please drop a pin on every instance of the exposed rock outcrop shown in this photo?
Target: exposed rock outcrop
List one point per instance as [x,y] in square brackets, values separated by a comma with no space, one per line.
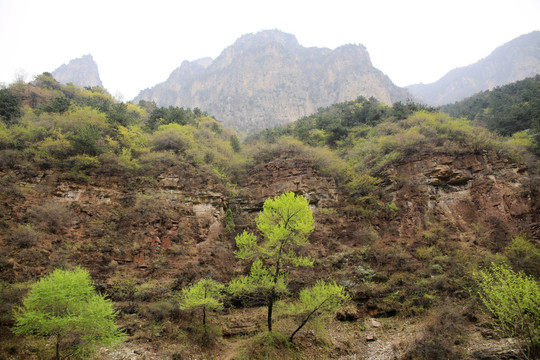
[82,71]
[268,78]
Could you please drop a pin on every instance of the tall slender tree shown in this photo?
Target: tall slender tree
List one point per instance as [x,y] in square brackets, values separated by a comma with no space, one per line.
[285,224]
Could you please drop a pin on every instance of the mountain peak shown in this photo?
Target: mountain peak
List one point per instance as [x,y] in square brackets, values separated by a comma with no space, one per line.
[265,37]
[81,71]
[268,78]
[510,62]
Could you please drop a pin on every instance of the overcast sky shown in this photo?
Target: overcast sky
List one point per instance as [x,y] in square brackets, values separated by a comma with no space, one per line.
[137,44]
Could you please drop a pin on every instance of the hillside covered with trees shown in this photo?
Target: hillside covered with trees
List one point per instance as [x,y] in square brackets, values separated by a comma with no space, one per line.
[507,109]
[365,229]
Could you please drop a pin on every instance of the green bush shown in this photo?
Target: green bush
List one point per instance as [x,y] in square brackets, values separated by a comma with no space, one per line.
[524,255]
[513,300]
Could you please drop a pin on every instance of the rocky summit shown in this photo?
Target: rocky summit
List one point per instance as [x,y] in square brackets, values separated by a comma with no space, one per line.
[268,78]
[82,71]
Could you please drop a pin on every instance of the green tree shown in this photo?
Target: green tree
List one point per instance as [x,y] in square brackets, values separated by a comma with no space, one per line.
[205,295]
[85,140]
[235,143]
[320,300]
[59,104]
[65,307]
[10,106]
[513,299]
[285,223]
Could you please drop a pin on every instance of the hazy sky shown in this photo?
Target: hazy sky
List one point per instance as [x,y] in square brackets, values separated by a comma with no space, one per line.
[137,44]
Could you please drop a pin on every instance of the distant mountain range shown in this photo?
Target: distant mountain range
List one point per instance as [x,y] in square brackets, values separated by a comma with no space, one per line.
[513,61]
[82,71]
[268,78]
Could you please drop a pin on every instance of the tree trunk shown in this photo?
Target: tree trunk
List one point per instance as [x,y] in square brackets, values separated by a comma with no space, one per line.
[57,347]
[297,330]
[204,316]
[270,306]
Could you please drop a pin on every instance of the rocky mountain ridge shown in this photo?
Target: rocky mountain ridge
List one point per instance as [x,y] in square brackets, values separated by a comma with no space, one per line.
[268,78]
[513,61]
[82,71]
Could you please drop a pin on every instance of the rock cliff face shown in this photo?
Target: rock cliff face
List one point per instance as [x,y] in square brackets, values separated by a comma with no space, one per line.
[176,227]
[513,61]
[480,198]
[268,78]
[82,71]
[169,230]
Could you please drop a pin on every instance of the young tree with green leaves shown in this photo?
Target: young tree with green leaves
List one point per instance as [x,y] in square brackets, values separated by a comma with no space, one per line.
[513,299]
[65,307]
[320,300]
[285,224]
[205,295]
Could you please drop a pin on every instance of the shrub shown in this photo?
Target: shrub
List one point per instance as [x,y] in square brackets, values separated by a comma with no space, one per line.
[513,300]
[9,158]
[52,216]
[438,336]
[23,237]
[11,296]
[172,137]
[524,255]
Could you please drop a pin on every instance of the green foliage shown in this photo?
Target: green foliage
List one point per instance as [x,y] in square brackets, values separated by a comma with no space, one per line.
[10,106]
[285,223]
[235,143]
[85,140]
[172,115]
[59,104]
[506,109]
[513,299]
[205,295]
[173,137]
[63,306]
[322,299]
[260,284]
[47,81]
[524,255]
[229,221]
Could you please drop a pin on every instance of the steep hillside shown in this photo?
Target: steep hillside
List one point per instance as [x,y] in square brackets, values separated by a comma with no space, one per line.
[408,204]
[268,78]
[513,61]
[82,71]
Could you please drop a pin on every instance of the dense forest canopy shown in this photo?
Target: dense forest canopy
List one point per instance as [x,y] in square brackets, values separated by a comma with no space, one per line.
[506,109]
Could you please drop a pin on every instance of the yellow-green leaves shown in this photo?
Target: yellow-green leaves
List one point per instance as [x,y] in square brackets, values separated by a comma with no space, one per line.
[286,223]
[65,303]
[286,220]
[247,245]
[205,293]
[513,299]
[322,299]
